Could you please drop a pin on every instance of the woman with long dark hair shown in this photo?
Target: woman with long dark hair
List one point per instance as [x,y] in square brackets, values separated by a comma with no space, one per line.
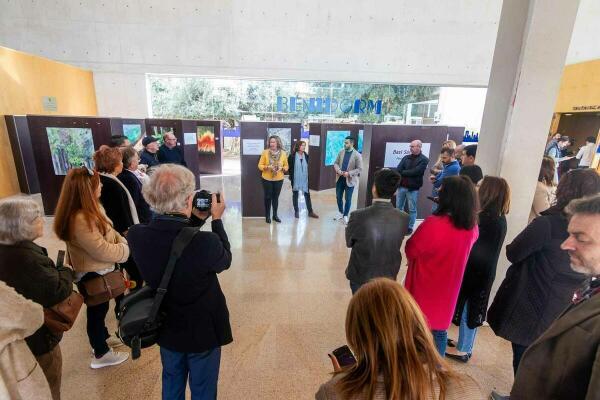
[473,298]
[395,354]
[437,254]
[540,282]
[298,164]
[273,164]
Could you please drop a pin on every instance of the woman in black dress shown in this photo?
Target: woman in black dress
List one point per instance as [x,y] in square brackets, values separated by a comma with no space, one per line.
[473,298]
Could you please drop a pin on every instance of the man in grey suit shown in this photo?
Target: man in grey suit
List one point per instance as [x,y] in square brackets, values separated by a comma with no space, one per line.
[375,234]
[348,166]
[564,363]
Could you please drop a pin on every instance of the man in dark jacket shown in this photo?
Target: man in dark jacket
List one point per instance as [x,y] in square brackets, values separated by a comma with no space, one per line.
[197,318]
[564,363]
[375,234]
[149,156]
[170,151]
[411,168]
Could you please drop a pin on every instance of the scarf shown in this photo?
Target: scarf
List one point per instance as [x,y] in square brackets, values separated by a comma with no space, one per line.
[274,157]
[132,208]
[300,174]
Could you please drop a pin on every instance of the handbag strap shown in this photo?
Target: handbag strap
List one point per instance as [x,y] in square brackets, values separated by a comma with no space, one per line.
[181,241]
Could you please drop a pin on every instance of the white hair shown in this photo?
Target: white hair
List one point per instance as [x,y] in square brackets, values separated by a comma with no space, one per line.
[169,188]
[17,216]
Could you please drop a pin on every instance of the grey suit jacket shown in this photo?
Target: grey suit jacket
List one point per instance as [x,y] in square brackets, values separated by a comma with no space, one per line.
[355,167]
[564,363]
[375,234]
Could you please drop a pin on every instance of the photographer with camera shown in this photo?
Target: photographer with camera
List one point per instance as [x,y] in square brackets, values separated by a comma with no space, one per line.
[197,319]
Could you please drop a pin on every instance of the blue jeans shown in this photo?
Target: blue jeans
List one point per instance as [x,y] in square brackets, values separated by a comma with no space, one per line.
[355,286]
[466,335]
[441,341]
[401,195]
[340,188]
[201,368]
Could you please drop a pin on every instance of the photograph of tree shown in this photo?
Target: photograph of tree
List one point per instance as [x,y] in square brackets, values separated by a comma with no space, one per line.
[159,131]
[133,132]
[334,143]
[206,139]
[286,137]
[70,147]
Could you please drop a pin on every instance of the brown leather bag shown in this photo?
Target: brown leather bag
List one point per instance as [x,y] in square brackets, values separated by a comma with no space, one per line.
[102,288]
[61,317]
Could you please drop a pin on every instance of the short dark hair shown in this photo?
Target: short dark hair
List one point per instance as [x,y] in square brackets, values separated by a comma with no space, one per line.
[564,139]
[117,141]
[474,172]
[576,184]
[386,182]
[589,205]
[591,139]
[448,151]
[350,138]
[458,200]
[471,150]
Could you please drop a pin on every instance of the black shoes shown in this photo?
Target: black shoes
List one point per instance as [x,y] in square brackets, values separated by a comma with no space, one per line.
[464,358]
[276,218]
[268,220]
[297,214]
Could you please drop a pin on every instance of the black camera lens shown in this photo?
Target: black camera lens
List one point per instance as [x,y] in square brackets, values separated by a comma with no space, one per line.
[202,200]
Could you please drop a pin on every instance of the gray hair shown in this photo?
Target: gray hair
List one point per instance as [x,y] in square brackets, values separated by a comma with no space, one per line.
[17,215]
[169,188]
[589,205]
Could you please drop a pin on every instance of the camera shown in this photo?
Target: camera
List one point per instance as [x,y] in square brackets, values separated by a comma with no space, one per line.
[203,200]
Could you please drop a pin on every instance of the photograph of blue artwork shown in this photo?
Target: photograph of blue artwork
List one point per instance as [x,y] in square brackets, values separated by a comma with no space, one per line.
[361,134]
[334,143]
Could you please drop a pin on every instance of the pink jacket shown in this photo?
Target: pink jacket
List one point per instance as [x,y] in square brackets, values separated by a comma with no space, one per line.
[437,255]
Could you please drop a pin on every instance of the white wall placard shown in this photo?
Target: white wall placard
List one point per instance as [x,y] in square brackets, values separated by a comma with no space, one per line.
[394,151]
[315,140]
[253,147]
[49,103]
[189,138]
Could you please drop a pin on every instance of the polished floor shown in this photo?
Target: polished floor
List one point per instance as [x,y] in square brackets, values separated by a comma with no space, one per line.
[287,295]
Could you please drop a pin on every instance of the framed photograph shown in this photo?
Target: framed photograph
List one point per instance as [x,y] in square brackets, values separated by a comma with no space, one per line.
[361,136]
[70,147]
[285,134]
[334,143]
[206,139]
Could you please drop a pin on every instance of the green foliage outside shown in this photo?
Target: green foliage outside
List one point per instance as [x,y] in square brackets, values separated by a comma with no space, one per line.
[229,100]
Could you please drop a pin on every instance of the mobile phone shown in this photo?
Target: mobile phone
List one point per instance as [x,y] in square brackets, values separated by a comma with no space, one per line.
[434,199]
[60,259]
[344,356]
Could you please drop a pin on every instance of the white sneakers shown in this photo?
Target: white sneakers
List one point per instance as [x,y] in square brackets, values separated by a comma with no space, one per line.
[346,219]
[338,217]
[110,358]
[343,218]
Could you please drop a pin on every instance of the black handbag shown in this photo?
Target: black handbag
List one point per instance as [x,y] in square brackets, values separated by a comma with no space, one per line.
[140,314]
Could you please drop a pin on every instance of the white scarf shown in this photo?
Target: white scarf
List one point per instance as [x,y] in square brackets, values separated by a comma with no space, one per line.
[132,208]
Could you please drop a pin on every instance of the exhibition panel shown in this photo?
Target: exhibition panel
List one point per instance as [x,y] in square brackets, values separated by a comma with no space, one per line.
[384,147]
[60,143]
[20,143]
[326,141]
[253,141]
[209,141]
[133,129]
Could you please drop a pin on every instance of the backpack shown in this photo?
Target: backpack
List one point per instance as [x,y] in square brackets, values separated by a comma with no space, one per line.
[140,315]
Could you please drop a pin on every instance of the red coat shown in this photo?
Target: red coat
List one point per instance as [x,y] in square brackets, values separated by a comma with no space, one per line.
[437,255]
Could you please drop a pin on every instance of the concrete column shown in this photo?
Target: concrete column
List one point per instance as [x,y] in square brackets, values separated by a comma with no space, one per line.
[531,47]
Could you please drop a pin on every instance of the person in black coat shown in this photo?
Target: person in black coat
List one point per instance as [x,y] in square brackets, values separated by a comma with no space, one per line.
[411,168]
[117,201]
[299,178]
[149,156]
[170,151]
[540,282]
[133,184]
[197,318]
[26,267]
[473,298]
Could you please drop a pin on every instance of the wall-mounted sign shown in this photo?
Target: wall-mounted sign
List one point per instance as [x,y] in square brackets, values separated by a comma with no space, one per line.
[587,108]
[189,138]
[315,140]
[328,105]
[49,103]
[394,152]
[253,147]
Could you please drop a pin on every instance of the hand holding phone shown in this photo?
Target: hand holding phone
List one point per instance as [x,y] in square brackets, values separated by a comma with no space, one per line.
[342,357]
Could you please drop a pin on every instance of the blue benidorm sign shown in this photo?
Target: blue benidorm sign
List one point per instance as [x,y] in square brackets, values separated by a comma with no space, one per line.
[327,105]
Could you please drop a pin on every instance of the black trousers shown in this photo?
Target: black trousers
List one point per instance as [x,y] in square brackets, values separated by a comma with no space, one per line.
[306,199]
[271,189]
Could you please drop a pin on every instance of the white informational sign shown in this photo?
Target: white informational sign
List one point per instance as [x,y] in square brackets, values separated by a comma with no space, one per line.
[394,152]
[315,140]
[49,103]
[189,138]
[252,147]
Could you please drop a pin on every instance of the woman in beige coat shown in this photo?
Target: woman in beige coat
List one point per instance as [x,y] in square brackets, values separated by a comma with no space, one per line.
[93,248]
[545,190]
[21,377]
[397,359]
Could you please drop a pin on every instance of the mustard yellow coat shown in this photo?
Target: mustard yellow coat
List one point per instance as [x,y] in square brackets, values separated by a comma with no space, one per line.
[267,174]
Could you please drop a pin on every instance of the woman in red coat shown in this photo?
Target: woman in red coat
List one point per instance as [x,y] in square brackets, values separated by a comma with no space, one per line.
[437,254]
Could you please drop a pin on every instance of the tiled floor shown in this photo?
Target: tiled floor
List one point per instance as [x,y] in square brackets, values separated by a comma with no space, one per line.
[287,296]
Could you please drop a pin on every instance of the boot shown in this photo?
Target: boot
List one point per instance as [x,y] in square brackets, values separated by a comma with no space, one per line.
[311,214]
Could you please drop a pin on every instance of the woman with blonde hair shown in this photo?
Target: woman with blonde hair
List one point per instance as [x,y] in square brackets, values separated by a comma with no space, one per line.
[545,190]
[273,164]
[394,350]
[93,248]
